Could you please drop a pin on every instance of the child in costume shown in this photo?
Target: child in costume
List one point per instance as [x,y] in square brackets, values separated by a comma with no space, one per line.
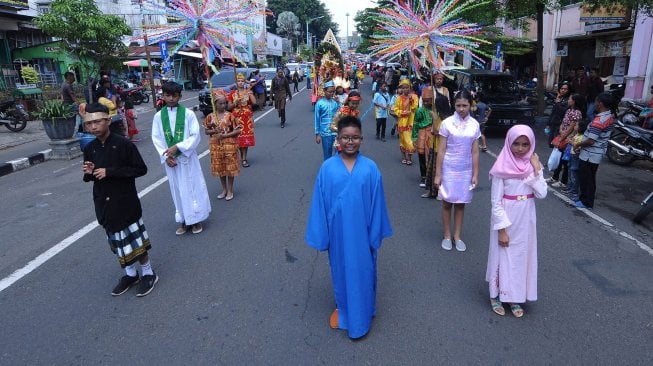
[113,163]
[405,108]
[223,130]
[325,109]
[176,134]
[423,131]
[512,258]
[349,218]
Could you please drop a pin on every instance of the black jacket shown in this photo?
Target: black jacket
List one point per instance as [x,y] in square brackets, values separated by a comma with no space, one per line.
[115,197]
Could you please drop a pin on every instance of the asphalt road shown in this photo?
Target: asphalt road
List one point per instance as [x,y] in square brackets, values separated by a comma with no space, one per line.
[249,291]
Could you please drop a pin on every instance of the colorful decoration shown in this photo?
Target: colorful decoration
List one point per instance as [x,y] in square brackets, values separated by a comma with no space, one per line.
[426,34]
[210,22]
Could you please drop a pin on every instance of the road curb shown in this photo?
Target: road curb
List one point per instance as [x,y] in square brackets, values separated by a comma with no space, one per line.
[24,163]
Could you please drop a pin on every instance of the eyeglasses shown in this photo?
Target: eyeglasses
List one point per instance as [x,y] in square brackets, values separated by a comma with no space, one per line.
[350,138]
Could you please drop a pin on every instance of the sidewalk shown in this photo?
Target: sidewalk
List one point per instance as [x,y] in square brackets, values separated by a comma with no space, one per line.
[20,150]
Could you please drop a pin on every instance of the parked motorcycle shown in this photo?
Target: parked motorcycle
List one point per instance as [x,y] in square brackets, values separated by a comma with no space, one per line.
[160,103]
[617,90]
[629,143]
[645,209]
[134,92]
[13,115]
[631,112]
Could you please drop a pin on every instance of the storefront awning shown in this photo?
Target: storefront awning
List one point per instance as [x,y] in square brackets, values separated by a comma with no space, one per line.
[31,91]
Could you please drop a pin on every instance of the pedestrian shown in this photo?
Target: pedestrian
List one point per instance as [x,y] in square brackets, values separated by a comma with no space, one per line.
[280,89]
[325,109]
[258,88]
[517,179]
[482,114]
[423,131]
[557,112]
[348,217]
[594,88]
[405,107]
[574,162]
[381,103]
[130,118]
[580,83]
[176,135]
[223,129]
[113,163]
[241,99]
[575,113]
[592,147]
[295,80]
[456,173]
[67,93]
[105,98]
[311,75]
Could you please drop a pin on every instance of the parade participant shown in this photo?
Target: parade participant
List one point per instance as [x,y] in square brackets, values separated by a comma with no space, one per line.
[280,89]
[381,106]
[223,130]
[176,134]
[350,108]
[340,96]
[457,167]
[240,104]
[422,131]
[438,80]
[113,163]
[405,108]
[130,118]
[593,147]
[349,218]
[442,111]
[111,102]
[325,109]
[512,257]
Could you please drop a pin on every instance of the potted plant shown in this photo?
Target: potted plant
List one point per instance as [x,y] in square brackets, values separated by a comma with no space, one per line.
[58,119]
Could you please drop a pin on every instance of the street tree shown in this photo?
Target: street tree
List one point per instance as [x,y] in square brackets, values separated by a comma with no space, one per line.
[288,25]
[92,37]
[304,10]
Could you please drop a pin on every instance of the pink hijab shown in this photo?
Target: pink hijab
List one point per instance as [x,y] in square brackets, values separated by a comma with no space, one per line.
[509,166]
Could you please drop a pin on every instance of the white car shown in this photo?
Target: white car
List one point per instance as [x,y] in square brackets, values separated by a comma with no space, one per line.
[292,66]
[269,73]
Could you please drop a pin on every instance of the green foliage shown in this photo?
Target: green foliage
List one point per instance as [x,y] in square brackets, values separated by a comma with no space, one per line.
[304,10]
[29,74]
[87,32]
[54,108]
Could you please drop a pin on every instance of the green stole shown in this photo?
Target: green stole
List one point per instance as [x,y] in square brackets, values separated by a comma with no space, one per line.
[180,122]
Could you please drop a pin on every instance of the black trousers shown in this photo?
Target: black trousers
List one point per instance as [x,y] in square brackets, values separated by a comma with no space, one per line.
[587,182]
[561,173]
[380,127]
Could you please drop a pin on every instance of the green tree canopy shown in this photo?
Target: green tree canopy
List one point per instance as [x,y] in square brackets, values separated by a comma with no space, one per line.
[86,32]
[304,10]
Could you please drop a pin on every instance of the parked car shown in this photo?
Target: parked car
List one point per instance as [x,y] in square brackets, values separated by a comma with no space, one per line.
[225,79]
[501,93]
[292,66]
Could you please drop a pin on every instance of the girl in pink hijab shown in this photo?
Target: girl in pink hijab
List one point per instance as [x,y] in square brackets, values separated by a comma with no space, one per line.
[512,258]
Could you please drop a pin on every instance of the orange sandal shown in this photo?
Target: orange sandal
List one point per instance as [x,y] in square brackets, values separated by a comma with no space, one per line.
[333,320]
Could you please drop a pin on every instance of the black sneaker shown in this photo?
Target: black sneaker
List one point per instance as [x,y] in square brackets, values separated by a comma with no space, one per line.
[147,284]
[126,282]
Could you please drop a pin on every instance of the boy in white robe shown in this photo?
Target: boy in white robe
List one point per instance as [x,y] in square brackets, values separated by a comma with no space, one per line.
[176,134]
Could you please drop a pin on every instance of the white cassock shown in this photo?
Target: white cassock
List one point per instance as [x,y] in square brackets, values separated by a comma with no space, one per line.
[187,184]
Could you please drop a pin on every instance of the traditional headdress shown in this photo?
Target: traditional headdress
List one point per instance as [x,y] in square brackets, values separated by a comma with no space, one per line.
[95,116]
[219,93]
[510,166]
[240,76]
[404,82]
[329,84]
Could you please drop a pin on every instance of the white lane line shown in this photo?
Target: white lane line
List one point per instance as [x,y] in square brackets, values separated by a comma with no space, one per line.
[596,217]
[65,243]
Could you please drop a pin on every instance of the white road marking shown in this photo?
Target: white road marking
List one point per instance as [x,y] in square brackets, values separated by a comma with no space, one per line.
[65,243]
[595,217]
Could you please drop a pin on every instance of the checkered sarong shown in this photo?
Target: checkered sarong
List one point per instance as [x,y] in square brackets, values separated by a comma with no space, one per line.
[130,244]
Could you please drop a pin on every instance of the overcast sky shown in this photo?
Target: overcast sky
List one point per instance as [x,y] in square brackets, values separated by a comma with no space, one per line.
[339,8]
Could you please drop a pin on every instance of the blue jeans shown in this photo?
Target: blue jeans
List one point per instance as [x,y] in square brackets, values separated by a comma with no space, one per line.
[590,110]
[572,184]
[327,146]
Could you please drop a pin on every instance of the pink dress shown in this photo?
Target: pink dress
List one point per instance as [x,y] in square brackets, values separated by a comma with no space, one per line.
[457,166]
[512,271]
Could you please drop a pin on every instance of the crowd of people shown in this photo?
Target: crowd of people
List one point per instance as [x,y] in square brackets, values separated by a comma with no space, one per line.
[348,215]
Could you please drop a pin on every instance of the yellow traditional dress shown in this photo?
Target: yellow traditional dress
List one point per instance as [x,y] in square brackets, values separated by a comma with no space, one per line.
[405,108]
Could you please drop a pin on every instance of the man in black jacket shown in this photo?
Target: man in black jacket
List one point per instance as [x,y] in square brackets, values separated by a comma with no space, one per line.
[280,89]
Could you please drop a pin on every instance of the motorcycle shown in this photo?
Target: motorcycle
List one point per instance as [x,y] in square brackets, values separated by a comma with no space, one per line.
[134,92]
[629,143]
[160,103]
[631,112]
[13,115]
[645,209]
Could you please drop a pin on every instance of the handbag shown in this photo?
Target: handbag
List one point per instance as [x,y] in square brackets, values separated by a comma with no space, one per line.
[560,142]
[554,159]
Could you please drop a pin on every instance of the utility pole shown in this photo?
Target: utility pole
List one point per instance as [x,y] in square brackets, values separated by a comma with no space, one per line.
[147,54]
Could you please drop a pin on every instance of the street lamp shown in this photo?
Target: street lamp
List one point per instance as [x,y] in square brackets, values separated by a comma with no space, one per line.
[347,34]
[308,40]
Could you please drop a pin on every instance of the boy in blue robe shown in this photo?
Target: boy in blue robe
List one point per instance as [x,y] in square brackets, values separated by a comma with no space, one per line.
[349,218]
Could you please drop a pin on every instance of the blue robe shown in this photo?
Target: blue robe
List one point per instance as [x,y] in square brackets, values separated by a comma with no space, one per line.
[349,218]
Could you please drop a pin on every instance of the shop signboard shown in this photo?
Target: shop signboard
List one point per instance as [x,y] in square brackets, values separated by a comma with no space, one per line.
[17,4]
[613,13]
[613,48]
[592,27]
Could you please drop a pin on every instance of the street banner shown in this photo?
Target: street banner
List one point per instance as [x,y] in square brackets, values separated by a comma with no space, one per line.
[165,64]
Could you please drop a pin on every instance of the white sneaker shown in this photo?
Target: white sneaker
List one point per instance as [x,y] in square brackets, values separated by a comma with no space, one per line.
[446,244]
[460,246]
[422,185]
[559,185]
[550,180]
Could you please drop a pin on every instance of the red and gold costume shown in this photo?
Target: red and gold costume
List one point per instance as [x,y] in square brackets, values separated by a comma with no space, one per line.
[224,152]
[242,111]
